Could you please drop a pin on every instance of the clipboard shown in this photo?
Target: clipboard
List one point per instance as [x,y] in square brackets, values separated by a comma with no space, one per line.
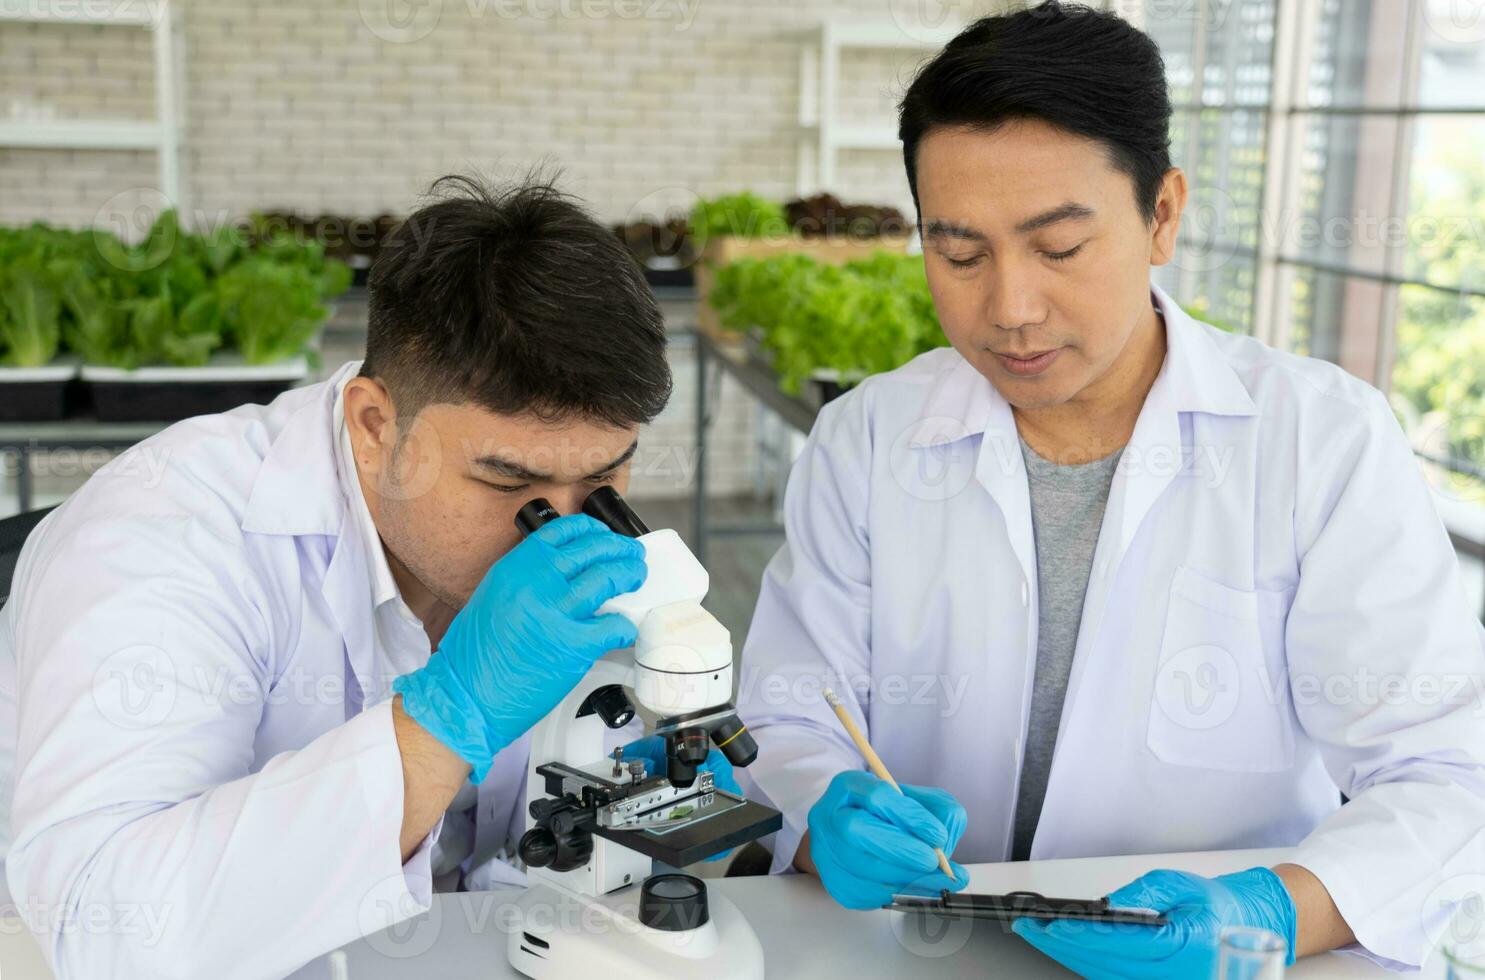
[1023,905]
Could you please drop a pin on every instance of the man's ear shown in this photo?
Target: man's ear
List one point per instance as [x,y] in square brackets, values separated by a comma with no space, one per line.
[371,422]
[1168,208]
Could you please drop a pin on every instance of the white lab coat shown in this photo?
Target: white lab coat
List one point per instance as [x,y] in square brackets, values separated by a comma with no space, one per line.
[1269,549]
[202,641]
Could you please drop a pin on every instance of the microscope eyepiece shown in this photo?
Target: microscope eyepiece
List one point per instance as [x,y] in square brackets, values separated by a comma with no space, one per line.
[533,514]
[605,504]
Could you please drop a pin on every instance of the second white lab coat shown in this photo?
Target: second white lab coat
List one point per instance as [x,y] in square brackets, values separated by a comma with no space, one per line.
[1273,615]
[207,781]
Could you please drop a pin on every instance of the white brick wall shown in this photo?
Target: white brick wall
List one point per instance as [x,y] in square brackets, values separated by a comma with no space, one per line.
[300,103]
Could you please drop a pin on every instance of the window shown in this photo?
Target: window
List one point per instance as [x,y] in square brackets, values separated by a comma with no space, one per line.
[1219,59]
[1336,151]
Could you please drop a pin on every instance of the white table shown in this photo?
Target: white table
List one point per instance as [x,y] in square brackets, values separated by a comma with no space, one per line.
[804,933]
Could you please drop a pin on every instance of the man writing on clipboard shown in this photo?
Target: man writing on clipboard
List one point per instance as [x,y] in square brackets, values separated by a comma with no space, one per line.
[1102,579]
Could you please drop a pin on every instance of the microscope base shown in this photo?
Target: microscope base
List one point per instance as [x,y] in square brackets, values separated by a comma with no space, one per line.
[556,933]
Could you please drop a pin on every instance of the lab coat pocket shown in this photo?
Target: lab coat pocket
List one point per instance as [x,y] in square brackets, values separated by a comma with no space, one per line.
[1221,699]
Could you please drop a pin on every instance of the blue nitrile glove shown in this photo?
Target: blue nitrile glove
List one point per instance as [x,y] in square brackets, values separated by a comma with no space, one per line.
[870,842]
[525,638]
[1188,945]
[651,749]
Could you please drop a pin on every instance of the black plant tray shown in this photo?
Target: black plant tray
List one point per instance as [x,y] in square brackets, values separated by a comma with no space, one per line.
[168,394]
[43,394]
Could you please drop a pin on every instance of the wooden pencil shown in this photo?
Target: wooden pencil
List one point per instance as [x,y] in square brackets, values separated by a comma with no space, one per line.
[874,761]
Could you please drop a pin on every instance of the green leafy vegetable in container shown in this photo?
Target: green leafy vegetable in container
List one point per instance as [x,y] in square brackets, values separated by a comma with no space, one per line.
[172,298]
[331,277]
[859,318]
[30,314]
[269,309]
[96,324]
[744,215]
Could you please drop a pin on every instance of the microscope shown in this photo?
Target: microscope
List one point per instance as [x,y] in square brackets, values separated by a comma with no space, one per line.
[597,825]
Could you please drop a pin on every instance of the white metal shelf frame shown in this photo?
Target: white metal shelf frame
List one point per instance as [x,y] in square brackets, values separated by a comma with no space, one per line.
[822,133]
[162,135]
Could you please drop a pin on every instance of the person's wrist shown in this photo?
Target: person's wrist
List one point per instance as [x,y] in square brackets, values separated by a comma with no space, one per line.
[803,860]
[433,697]
[430,753]
[1276,910]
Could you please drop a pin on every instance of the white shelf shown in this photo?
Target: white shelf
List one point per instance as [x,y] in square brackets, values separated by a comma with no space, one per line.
[137,13]
[80,134]
[865,137]
[888,36]
[822,135]
[160,135]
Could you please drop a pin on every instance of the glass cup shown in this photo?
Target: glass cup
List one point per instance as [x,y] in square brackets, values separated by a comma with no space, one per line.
[1459,968]
[1251,954]
[1464,940]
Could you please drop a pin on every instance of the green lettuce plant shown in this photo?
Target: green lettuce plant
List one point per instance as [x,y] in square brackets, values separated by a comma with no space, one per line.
[744,215]
[30,314]
[859,318]
[171,298]
[269,309]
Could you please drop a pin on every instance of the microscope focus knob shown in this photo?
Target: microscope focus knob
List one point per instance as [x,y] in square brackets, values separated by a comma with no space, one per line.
[538,847]
[541,847]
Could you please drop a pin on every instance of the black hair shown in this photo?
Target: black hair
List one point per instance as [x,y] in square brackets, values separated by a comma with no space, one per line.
[515,300]
[1086,71]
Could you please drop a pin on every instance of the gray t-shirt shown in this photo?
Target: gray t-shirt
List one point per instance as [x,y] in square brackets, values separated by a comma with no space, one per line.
[1067,505]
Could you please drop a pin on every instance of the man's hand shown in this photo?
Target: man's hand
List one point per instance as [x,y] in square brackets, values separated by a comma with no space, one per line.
[525,638]
[1188,945]
[868,842]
